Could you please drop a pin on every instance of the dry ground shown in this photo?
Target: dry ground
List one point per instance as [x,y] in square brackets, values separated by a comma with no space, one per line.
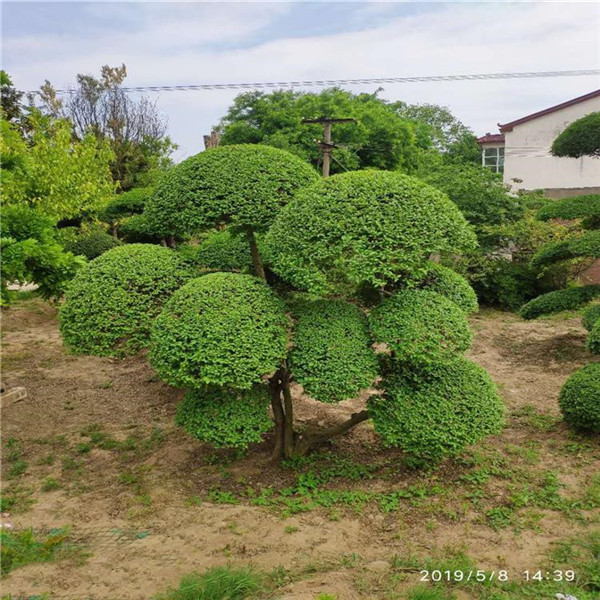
[148,504]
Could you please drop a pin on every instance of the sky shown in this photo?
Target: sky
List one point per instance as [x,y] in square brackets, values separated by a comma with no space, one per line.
[173,43]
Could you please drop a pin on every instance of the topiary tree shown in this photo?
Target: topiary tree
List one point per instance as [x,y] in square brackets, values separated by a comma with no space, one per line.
[243,186]
[579,399]
[125,205]
[92,244]
[227,337]
[112,302]
[580,138]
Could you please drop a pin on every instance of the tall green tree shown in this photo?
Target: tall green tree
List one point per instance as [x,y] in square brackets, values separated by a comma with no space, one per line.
[10,99]
[380,138]
[580,138]
[135,130]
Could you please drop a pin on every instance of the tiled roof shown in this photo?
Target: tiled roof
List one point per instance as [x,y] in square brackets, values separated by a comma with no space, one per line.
[491,138]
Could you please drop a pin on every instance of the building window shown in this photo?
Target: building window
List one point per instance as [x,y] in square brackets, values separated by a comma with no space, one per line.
[494,159]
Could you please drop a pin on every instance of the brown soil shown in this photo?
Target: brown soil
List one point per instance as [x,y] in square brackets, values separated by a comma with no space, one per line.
[138,514]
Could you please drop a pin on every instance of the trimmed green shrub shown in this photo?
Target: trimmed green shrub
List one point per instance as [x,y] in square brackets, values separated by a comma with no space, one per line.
[450,284]
[593,342]
[577,207]
[421,327]
[137,229]
[244,186]
[92,244]
[437,415]
[126,204]
[580,138]
[587,245]
[113,300]
[363,227]
[331,356]
[590,316]
[220,251]
[226,418]
[224,329]
[579,398]
[568,299]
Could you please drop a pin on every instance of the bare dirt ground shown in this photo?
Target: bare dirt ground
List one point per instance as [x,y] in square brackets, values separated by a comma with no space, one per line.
[149,504]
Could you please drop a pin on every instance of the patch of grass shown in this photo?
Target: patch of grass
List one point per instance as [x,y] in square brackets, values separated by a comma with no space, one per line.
[20,548]
[221,497]
[193,501]
[13,455]
[218,583]
[50,484]
[422,592]
[290,529]
[16,469]
[16,499]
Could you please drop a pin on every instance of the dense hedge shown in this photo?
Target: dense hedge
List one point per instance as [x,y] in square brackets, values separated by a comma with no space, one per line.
[593,341]
[244,185]
[224,329]
[112,302]
[577,207]
[92,244]
[450,284]
[590,316]
[421,327]
[552,302]
[363,227]
[331,356]
[586,245]
[579,398]
[126,204]
[580,138]
[226,417]
[220,251]
[454,406]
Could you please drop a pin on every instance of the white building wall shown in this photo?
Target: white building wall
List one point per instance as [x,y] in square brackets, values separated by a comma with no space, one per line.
[527,153]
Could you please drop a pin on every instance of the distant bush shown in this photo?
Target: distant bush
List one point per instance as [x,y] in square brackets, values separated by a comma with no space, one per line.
[331,357]
[126,204]
[450,284]
[590,316]
[579,398]
[586,245]
[568,299]
[92,244]
[421,327]
[223,329]
[580,138]
[136,229]
[219,251]
[437,415]
[112,302]
[577,207]
[226,418]
[593,342]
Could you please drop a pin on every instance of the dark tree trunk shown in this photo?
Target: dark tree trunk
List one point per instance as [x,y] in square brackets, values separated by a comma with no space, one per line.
[259,269]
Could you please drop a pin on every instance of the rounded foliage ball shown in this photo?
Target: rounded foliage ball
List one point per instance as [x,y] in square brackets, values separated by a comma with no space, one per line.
[435,416]
[421,327]
[570,298]
[110,305]
[579,399]
[92,244]
[244,185]
[332,357]
[590,316]
[224,417]
[220,251]
[225,329]
[449,284]
[363,227]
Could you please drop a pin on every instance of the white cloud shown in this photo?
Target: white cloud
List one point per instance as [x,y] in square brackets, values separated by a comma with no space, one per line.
[191,44]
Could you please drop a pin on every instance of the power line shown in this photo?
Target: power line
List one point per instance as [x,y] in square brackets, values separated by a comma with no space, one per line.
[336,82]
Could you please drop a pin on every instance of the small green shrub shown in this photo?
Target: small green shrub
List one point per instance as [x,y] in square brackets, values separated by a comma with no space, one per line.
[590,316]
[244,185]
[439,413]
[220,251]
[579,399]
[92,244]
[222,329]
[361,227]
[218,583]
[126,204]
[331,356]
[226,417]
[586,245]
[577,207]
[113,300]
[568,299]
[421,327]
[580,138]
[450,284]
[593,342]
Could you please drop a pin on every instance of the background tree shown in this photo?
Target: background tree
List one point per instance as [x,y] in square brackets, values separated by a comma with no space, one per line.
[236,342]
[133,127]
[380,138]
[580,138]
[10,97]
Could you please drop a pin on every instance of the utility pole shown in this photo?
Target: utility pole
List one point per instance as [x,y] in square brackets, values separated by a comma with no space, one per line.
[327,145]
